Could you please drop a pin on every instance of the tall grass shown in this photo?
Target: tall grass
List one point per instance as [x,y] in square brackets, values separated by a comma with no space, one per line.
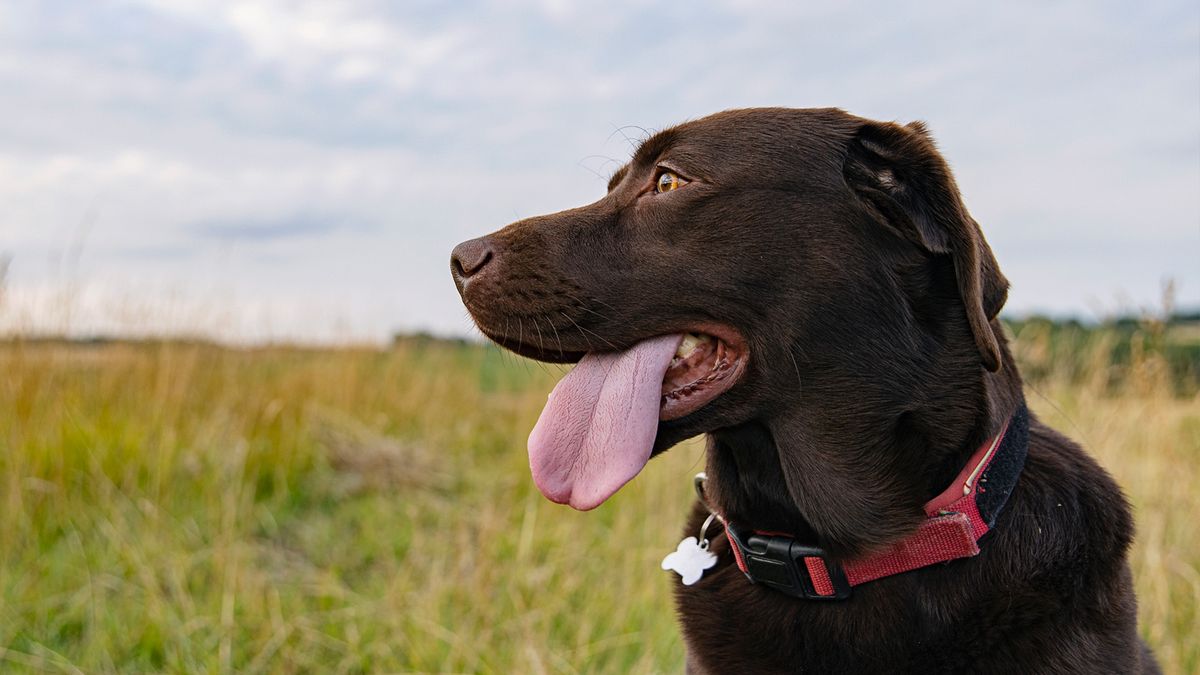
[186,507]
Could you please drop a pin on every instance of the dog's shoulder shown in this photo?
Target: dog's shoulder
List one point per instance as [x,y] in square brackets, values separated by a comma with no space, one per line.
[1058,555]
[1066,504]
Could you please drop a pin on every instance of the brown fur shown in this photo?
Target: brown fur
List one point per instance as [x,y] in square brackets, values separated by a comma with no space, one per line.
[841,250]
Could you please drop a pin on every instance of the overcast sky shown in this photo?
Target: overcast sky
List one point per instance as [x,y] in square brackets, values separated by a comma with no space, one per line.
[302,169]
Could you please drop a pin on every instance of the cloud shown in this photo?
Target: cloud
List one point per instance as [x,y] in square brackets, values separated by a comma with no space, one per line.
[280,152]
[296,225]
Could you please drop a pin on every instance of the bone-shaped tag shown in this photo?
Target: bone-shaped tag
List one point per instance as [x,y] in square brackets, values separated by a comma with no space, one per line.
[689,560]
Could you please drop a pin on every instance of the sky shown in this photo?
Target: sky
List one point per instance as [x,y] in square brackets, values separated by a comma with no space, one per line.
[300,170]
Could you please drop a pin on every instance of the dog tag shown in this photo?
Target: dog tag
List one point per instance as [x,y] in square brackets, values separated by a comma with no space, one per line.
[689,560]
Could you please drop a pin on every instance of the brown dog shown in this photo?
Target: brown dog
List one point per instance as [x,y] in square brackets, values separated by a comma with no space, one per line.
[808,289]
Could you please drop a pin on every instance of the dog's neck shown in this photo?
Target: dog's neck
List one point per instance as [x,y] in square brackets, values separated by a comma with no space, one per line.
[853,484]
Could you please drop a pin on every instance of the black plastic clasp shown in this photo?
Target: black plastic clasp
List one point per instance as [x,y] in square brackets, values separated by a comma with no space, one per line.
[778,562]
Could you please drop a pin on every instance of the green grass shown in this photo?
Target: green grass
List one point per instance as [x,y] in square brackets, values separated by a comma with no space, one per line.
[184,507]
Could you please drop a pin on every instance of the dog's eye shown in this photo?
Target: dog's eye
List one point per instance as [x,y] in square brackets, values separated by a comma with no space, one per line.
[667,181]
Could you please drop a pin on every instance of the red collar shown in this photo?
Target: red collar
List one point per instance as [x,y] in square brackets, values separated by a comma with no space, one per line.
[954,522]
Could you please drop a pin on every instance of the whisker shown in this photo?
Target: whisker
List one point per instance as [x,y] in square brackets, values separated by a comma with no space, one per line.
[630,141]
[601,338]
[792,356]
[599,301]
[598,171]
[556,337]
[537,327]
[509,357]
[521,340]
[542,365]
[592,311]
[585,338]
[594,172]
[581,305]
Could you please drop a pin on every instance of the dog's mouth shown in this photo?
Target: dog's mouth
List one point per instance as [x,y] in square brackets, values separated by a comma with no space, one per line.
[598,428]
[704,367]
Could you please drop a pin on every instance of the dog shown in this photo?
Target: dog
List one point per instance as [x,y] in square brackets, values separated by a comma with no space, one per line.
[807,288]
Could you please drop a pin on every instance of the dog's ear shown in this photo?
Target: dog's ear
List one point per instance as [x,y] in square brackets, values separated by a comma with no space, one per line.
[901,178]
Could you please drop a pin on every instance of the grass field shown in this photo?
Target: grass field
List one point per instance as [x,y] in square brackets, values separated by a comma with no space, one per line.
[186,507]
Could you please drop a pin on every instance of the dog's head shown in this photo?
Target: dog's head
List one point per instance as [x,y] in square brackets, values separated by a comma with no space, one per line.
[805,266]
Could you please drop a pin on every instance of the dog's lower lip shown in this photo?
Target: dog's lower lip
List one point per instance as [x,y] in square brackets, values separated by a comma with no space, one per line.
[547,353]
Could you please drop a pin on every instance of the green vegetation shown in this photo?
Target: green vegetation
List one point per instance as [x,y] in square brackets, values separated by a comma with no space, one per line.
[187,507]
[1106,356]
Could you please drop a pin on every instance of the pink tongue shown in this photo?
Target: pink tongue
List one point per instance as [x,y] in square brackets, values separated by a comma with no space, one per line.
[597,429]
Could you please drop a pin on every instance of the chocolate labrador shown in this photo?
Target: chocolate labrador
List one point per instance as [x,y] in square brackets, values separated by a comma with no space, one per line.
[807,288]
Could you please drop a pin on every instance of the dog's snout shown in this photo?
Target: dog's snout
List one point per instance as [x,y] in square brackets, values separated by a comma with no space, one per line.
[470,257]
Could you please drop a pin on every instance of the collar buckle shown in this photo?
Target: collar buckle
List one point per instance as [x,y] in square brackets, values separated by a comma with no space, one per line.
[788,566]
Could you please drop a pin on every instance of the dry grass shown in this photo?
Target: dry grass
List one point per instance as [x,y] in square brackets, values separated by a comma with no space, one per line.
[175,507]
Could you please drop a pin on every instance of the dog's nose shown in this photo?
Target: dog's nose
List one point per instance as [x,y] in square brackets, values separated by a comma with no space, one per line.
[469,257]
